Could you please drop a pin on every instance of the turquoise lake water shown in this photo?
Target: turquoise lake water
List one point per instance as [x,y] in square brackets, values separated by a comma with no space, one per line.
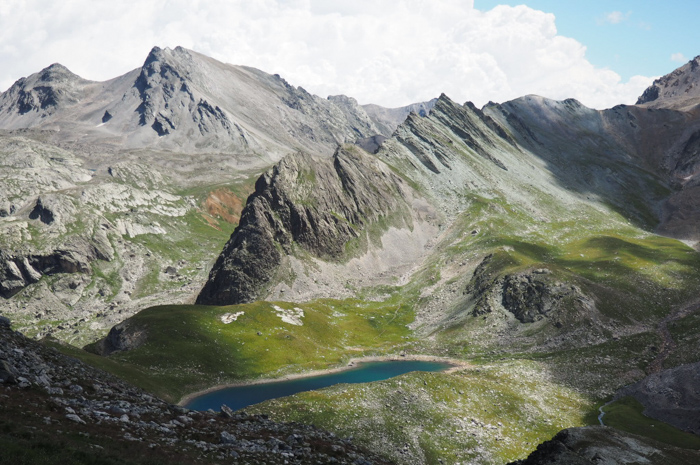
[239,397]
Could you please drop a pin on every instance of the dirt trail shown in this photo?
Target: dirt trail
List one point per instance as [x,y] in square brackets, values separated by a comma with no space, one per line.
[668,344]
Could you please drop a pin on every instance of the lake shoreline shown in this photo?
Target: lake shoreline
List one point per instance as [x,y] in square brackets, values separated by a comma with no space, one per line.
[352,363]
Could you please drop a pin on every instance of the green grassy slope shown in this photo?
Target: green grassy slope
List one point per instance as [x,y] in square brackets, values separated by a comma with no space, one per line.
[189,348]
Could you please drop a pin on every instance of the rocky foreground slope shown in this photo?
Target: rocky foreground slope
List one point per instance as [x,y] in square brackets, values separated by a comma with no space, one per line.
[57,409]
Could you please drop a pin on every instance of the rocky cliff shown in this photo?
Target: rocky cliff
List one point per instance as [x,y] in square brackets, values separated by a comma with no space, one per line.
[327,209]
[679,89]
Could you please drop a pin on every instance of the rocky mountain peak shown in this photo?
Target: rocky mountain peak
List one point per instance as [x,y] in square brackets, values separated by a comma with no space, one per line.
[678,89]
[42,93]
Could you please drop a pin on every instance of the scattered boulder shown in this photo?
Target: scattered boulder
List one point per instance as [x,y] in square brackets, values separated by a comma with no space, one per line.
[8,375]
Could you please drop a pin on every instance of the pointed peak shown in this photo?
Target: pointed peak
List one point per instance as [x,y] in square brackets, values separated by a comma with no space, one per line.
[445,101]
[444,98]
[679,88]
[166,54]
[56,72]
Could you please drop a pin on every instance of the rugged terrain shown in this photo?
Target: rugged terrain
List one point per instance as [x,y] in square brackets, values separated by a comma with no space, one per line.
[549,245]
[57,409]
[116,194]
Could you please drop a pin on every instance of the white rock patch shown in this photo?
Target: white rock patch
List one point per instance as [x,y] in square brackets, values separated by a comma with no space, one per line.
[293,316]
[230,317]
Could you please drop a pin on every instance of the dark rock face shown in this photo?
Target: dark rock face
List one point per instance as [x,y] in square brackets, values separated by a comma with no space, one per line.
[121,338]
[371,144]
[672,396]
[599,444]
[479,286]
[533,296]
[18,271]
[680,84]
[316,204]
[42,213]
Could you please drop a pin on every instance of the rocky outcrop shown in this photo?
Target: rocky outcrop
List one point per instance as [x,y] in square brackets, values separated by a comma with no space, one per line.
[599,444]
[17,272]
[122,337]
[678,89]
[534,295]
[529,295]
[317,205]
[672,396]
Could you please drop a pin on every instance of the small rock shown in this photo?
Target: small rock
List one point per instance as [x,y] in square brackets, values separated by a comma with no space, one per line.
[226,411]
[75,418]
[8,375]
[227,438]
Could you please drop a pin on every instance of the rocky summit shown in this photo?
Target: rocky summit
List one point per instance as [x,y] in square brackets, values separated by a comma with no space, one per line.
[194,224]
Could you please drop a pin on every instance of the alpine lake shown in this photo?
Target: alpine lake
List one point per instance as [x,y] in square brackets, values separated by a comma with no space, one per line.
[238,397]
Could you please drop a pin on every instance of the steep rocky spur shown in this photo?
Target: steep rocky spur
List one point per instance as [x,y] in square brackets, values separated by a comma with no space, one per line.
[317,205]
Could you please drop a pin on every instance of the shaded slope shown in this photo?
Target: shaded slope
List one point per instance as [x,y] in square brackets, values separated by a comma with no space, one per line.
[598,444]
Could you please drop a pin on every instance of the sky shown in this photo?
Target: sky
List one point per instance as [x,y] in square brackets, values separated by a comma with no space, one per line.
[388,52]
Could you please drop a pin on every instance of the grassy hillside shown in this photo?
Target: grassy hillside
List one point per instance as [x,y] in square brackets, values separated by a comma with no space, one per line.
[189,348]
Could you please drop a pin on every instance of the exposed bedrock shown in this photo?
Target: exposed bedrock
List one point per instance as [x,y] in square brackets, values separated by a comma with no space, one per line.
[305,205]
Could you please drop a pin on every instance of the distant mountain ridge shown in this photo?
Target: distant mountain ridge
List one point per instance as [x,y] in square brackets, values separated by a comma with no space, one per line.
[184,101]
[679,89]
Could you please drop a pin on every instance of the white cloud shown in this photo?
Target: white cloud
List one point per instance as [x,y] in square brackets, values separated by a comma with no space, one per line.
[678,57]
[380,51]
[614,17]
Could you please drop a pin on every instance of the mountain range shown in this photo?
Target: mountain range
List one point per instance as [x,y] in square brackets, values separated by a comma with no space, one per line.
[549,246]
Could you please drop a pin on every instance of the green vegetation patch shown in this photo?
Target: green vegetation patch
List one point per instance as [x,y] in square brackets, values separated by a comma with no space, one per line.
[626,415]
[489,414]
[189,348]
